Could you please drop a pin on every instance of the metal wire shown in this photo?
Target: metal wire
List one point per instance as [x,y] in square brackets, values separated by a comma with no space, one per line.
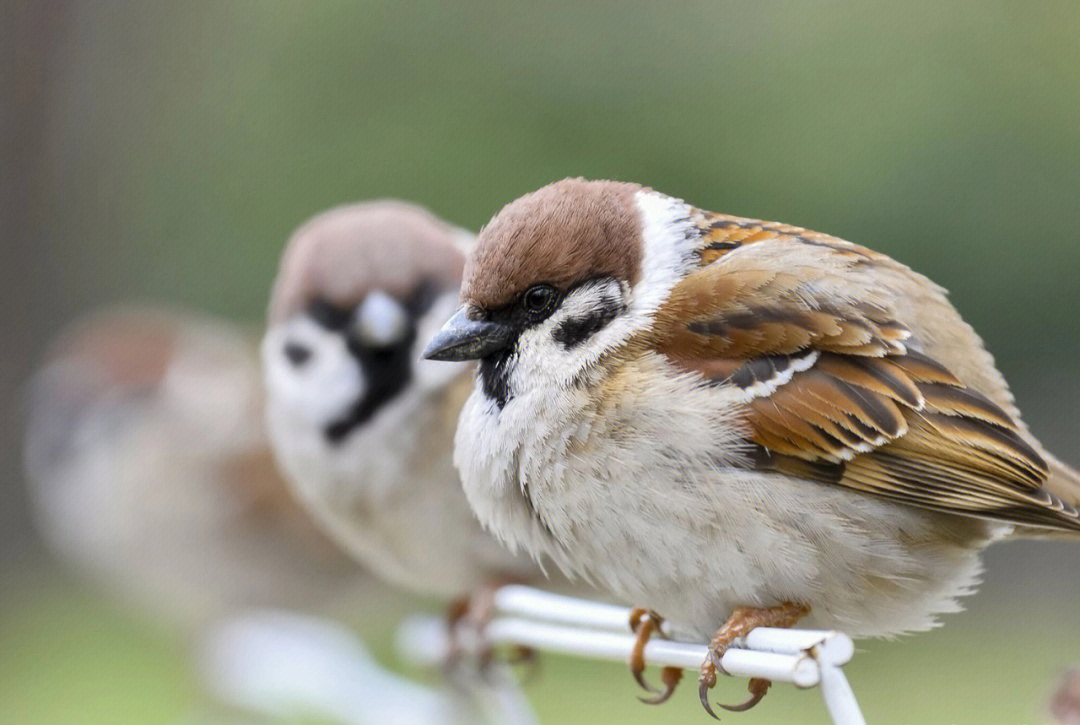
[569,626]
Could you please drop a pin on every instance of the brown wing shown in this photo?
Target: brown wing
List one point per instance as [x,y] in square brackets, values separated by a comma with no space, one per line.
[834,389]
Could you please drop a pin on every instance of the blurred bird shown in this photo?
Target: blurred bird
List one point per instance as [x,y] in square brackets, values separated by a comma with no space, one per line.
[361,425]
[149,470]
[1065,703]
[734,422]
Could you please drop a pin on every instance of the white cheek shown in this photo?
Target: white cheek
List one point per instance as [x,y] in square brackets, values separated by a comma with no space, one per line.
[324,387]
[542,357]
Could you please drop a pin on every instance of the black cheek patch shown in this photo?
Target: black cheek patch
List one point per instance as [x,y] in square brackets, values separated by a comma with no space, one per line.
[573,331]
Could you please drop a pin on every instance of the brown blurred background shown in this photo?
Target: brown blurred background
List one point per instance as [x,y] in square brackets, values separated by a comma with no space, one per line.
[164,152]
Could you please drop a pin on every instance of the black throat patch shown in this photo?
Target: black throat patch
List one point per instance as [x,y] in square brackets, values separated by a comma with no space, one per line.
[494,373]
[387,370]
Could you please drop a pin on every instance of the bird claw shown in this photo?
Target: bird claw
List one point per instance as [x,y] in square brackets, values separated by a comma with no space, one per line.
[707,679]
[671,677]
[526,656]
[703,695]
[758,687]
[639,677]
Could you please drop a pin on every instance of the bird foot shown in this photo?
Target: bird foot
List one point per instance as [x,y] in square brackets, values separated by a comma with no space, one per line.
[644,623]
[456,613]
[467,619]
[741,622]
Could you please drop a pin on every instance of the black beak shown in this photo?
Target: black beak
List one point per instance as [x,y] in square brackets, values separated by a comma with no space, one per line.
[464,339]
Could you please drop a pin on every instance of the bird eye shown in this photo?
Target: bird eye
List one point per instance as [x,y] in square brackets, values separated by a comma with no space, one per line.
[539,299]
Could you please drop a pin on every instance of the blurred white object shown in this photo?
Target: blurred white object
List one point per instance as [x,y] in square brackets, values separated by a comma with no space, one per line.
[280,664]
[149,471]
[556,623]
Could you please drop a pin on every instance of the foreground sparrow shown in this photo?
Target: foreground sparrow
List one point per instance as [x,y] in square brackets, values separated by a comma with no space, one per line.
[149,471]
[361,425]
[734,422]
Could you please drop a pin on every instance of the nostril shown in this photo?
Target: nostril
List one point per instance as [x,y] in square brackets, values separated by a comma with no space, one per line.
[296,353]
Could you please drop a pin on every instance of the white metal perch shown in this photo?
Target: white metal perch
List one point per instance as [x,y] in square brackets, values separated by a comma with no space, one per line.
[555,623]
[283,665]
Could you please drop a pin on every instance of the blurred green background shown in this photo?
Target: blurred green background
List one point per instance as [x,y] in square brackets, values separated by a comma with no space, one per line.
[165,151]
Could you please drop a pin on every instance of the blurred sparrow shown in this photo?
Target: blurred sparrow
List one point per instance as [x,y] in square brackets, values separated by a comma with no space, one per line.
[149,470]
[361,425]
[1065,703]
[734,422]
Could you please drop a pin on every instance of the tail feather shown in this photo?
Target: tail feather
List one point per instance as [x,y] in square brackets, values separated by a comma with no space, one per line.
[1063,483]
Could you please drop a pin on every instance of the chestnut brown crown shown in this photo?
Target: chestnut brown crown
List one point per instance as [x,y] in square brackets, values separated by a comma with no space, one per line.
[341,255]
[566,232]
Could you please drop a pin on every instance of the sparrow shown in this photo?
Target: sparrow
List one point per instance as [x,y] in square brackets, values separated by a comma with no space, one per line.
[362,427]
[733,422]
[149,471]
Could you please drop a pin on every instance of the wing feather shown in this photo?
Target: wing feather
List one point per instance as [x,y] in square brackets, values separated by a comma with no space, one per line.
[833,385]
